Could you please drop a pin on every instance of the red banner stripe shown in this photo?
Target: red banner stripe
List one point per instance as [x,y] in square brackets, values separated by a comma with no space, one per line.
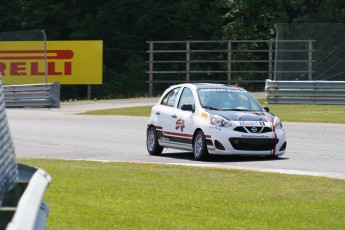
[51,54]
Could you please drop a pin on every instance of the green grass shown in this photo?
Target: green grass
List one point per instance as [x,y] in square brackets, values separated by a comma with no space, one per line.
[291,113]
[127,111]
[308,113]
[95,195]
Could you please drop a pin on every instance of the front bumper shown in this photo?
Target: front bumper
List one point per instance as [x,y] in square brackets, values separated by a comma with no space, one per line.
[228,141]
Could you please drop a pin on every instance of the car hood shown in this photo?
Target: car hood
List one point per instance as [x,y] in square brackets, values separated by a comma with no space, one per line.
[245,115]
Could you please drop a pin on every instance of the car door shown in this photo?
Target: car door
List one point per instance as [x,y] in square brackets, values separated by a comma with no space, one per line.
[166,111]
[181,127]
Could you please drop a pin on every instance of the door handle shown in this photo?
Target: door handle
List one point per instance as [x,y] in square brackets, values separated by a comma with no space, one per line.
[158,113]
[174,116]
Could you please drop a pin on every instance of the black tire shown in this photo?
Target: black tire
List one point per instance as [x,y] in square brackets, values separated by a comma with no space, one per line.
[152,144]
[200,147]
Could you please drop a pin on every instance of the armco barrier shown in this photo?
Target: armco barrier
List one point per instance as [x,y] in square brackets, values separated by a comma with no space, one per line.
[305,92]
[34,95]
[21,187]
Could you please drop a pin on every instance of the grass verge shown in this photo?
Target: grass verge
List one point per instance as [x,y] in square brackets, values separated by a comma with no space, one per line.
[95,195]
[290,113]
[308,113]
[127,111]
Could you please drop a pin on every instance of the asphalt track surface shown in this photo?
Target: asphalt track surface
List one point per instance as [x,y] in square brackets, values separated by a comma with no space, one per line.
[313,148]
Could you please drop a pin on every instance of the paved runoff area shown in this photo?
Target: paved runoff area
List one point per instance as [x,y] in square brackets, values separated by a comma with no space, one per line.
[313,149]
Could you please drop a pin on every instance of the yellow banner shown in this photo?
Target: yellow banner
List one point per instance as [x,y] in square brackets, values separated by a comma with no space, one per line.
[67,62]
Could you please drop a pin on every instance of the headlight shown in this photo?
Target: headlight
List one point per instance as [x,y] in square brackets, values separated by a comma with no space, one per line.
[277,123]
[219,121]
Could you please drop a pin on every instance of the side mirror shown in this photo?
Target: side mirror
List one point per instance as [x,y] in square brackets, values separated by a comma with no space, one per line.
[187,107]
[266,108]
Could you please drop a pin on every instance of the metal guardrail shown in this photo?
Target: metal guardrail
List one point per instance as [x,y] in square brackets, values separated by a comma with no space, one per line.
[34,95]
[305,92]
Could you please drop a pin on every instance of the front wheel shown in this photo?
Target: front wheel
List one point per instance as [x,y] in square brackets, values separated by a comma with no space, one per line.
[199,146]
[152,144]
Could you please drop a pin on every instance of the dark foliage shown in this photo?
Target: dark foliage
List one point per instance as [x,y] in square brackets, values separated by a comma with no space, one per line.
[126,25]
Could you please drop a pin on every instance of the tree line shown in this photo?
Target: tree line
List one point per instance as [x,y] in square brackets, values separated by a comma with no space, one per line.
[126,25]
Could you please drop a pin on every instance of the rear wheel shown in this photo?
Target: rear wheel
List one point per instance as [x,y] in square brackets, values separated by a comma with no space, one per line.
[199,146]
[152,144]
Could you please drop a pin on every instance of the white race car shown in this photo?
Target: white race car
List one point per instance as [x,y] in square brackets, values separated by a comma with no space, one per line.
[213,119]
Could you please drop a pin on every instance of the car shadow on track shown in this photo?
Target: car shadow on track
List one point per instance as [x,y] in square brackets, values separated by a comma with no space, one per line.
[222,158]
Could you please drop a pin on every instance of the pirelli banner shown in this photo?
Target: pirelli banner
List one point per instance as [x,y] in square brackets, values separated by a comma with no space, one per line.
[67,62]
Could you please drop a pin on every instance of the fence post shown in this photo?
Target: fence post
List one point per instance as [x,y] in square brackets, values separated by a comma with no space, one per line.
[187,61]
[229,61]
[88,92]
[310,60]
[45,57]
[151,70]
[270,61]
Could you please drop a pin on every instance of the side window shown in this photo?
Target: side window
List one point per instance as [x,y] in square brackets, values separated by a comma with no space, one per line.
[170,98]
[165,99]
[186,98]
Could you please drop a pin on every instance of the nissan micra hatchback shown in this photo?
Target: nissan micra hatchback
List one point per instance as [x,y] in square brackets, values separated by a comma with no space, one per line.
[213,119]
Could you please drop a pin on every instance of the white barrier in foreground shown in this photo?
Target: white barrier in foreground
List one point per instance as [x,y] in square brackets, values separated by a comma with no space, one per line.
[31,212]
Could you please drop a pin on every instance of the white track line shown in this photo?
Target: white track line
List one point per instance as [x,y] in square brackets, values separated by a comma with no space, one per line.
[281,171]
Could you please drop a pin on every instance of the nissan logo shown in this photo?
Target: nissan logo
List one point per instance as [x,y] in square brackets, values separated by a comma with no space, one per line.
[254,129]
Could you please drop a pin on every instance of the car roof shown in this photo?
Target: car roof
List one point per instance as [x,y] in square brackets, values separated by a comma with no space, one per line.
[210,85]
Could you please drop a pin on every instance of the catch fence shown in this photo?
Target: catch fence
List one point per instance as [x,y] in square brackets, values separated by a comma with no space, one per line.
[328,51]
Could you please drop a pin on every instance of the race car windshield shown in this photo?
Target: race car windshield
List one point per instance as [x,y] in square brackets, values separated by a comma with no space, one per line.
[227,99]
